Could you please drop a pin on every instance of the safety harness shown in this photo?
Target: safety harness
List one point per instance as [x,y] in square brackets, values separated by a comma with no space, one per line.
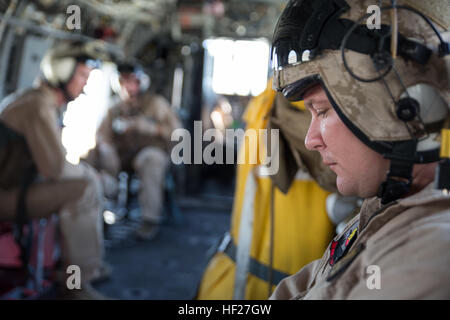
[256,268]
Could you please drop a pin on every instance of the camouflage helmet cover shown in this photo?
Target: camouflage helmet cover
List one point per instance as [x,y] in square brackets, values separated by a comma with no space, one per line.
[369,108]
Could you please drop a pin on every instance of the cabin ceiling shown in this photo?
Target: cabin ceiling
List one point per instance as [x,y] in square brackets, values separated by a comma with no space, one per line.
[136,21]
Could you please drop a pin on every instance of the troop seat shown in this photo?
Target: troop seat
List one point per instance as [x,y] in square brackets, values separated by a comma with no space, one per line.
[28,252]
[128,190]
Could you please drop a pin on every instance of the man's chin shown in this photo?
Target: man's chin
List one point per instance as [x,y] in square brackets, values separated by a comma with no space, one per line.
[71,96]
[349,189]
[344,188]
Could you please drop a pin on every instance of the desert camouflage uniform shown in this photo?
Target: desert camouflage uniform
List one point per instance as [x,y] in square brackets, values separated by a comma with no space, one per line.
[139,149]
[72,190]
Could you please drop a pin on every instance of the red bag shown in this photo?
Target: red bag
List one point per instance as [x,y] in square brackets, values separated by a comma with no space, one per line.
[42,261]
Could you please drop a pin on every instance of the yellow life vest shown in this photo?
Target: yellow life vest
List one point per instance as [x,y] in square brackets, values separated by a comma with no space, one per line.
[302,229]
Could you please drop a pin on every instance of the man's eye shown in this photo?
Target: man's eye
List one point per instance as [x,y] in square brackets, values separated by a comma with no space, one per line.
[321,113]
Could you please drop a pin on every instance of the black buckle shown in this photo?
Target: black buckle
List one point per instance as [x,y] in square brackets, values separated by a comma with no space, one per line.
[443,175]
[393,189]
[444,49]
[399,177]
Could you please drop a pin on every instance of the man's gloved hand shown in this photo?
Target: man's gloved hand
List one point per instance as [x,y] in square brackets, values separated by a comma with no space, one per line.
[120,125]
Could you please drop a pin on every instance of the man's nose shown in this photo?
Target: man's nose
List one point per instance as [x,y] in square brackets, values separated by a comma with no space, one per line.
[313,139]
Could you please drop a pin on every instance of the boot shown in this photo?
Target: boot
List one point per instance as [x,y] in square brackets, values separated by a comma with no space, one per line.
[102,274]
[147,231]
[87,292]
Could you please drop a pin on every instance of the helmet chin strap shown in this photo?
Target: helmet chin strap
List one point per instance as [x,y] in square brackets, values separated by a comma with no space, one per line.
[399,177]
[63,86]
[67,96]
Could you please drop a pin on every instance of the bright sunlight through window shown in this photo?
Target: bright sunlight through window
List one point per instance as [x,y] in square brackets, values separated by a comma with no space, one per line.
[83,115]
[240,66]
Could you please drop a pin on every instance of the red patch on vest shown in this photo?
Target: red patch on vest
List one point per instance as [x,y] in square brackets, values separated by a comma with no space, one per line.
[332,251]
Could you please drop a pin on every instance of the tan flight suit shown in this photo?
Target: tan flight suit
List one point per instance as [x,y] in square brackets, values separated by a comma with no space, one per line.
[139,148]
[34,115]
[408,240]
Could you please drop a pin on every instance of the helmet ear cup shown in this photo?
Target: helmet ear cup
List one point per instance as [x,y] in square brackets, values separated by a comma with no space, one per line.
[64,69]
[58,70]
[407,109]
[144,81]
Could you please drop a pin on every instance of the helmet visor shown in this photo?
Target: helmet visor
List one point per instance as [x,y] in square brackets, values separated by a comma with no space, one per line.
[297,33]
